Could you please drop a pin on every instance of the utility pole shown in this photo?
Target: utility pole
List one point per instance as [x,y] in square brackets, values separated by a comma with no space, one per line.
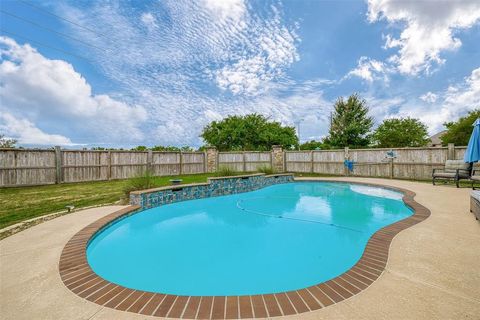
[297,124]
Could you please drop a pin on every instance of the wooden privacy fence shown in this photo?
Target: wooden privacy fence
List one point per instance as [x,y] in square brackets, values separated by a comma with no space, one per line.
[408,163]
[20,167]
[245,161]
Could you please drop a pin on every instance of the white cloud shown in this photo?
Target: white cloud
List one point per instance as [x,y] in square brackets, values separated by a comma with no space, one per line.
[286,102]
[452,103]
[271,49]
[26,132]
[455,102]
[226,9]
[382,108]
[370,69]
[429,28]
[211,115]
[429,97]
[244,76]
[466,96]
[35,89]
[149,20]
[205,60]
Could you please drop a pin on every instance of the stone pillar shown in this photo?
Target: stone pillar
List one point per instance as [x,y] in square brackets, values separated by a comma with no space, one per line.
[277,159]
[347,157]
[212,158]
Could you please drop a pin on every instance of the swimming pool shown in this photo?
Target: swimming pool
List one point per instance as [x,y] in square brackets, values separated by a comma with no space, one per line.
[279,238]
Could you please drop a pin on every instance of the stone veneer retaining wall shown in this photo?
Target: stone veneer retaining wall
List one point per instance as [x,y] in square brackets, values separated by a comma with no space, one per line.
[214,187]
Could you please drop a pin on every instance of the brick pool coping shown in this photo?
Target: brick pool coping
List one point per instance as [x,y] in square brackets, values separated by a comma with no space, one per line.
[77,276]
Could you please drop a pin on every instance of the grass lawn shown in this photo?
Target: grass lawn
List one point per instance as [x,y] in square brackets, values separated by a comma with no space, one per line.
[23,203]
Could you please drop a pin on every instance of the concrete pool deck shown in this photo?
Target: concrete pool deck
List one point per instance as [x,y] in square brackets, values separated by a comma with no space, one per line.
[432,270]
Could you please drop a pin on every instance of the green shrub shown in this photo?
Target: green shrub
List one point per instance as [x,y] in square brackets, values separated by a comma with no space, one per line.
[225,171]
[144,181]
[266,169]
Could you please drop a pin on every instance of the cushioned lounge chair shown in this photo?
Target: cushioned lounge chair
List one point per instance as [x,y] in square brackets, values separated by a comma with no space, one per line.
[475,179]
[475,203]
[455,170]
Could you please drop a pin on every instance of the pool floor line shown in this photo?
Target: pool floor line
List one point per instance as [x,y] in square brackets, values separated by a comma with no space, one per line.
[296,219]
[358,278]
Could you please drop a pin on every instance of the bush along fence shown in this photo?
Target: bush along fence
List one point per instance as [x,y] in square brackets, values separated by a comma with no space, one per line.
[21,167]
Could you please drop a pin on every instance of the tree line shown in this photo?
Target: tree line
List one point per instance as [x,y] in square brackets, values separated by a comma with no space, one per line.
[350,126]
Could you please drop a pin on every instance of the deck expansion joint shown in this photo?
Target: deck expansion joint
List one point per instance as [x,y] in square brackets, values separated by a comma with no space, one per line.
[141,307]
[285,304]
[184,307]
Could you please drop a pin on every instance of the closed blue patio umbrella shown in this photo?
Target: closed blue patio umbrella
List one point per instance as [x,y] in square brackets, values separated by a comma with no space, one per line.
[472,154]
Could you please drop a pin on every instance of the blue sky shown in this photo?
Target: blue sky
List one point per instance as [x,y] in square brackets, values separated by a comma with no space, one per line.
[98,73]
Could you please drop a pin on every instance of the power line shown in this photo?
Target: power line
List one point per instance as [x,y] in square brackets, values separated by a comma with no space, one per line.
[49,29]
[45,45]
[62,18]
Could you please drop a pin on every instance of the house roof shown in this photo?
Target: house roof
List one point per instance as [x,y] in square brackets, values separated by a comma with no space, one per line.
[435,139]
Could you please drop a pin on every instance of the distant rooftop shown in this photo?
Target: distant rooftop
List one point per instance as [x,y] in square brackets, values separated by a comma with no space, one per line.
[435,140]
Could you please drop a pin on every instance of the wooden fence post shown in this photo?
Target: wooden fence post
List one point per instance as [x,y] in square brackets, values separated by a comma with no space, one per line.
[205,162]
[451,151]
[109,163]
[311,161]
[15,171]
[346,157]
[99,158]
[150,161]
[244,162]
[391,168]
[58,165]
[181,163]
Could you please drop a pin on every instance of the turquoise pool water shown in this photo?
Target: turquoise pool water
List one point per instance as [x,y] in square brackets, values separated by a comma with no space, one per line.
[283,237]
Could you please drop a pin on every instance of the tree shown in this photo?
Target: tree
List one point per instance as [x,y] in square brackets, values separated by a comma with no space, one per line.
[7,143]
[314,145]
[250,132]
[401,132]
[350,125]
[459,132]
[139,148]
[172,148]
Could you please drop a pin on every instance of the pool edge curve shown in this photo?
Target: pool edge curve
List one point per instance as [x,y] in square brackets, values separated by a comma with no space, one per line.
[79,278]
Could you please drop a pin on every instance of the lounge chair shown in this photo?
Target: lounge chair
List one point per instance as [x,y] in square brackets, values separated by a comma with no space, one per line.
[475,203]
[455,170]
[475,179]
